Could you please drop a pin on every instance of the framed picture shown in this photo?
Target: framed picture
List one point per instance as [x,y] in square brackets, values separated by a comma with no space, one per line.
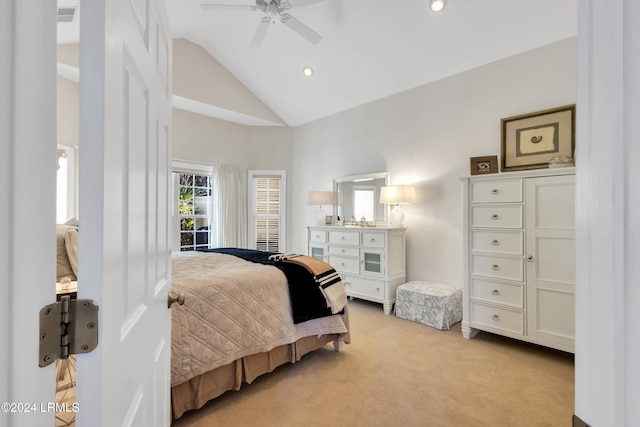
[529,141]
[328,219]
[482,165]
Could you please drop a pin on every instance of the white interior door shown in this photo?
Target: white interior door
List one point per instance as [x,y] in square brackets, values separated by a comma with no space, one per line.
[124,256]
[27,215]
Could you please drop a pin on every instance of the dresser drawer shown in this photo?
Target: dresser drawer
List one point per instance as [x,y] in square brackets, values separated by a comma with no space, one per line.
[345,264]
[498,267]
[344,250]
[499,216]
[372,240]
[369,289]
[500,242]
[317,236]
[497,318]
[345,237]
[508,190]
[510,294]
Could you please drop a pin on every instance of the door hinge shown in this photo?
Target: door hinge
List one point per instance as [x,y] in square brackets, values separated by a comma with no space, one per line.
[69,326]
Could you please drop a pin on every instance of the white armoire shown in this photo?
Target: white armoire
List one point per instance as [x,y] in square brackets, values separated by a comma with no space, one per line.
[519,256]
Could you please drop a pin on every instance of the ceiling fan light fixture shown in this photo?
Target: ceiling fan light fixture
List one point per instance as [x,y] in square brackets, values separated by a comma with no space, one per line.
[438,5]
[307,71]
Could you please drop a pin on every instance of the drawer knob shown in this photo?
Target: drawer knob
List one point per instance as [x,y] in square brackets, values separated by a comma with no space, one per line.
[373,240]
[495,191]
[377,289]
[342,250]
[495,317]
[495,267]
[530,258]
[495,242]
[342,264]
[342,238]
[495,217]
[495,292]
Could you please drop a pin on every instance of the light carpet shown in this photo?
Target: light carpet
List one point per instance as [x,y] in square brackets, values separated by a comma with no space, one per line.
[401,373]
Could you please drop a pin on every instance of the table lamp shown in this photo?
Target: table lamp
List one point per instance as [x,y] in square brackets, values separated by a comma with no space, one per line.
[397,195]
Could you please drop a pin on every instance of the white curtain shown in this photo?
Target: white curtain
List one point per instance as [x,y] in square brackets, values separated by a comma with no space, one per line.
[230,205]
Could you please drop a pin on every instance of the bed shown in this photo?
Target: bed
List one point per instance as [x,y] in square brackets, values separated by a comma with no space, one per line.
[241,319]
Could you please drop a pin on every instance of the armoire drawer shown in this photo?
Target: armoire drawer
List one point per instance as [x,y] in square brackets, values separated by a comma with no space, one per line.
[498,318]
[358,287]
[345,264]
[508,190]
[511,294]
[498,267]
[499,242]
[345,237]
[497,216]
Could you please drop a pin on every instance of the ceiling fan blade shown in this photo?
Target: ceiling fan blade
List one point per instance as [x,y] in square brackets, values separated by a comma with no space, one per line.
[304,31]
[205,6]
[261,31]
[300,3]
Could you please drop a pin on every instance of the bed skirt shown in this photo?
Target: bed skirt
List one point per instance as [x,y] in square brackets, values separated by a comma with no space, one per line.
[193,394]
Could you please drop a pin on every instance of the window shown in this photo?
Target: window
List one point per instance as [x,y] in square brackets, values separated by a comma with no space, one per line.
[266,210]
[193,200]
[65,188]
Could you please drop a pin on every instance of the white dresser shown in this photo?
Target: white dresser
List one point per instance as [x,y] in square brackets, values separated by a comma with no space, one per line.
[371,260]
[519,244]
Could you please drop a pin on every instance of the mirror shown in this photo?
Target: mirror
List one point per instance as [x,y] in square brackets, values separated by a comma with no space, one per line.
[356,196]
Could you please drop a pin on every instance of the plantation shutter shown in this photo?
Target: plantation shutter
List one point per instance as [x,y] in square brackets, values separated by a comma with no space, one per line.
[267,214]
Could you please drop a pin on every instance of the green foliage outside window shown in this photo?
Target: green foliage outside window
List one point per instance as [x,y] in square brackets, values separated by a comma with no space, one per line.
[191,188]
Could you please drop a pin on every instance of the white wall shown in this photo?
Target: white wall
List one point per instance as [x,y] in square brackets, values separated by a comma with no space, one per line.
[425,137]
[198,76]
[208,140]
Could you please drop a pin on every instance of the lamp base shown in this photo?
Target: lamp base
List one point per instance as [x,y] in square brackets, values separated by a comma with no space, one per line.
[397,217]
[320,217]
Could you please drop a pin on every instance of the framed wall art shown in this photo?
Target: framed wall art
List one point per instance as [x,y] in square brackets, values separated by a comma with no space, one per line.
[529,141]
[483,165]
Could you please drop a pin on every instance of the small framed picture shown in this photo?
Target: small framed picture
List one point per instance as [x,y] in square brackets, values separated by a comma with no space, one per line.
[483,165]
[328,219]
[529,141]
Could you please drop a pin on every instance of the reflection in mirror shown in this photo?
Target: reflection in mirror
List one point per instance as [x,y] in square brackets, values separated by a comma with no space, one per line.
[358,196]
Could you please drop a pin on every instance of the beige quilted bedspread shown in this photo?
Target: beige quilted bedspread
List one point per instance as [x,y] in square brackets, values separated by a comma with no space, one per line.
[233,308]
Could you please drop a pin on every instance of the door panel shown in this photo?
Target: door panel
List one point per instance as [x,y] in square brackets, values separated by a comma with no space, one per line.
[125,121]
[551,259]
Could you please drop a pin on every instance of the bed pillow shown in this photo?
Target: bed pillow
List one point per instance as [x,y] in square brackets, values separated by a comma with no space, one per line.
[72,222]
[66,244]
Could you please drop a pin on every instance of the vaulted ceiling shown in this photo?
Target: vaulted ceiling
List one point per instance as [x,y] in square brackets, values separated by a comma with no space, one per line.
[369,49]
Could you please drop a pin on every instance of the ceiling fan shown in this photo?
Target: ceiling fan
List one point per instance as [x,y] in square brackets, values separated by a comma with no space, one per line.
[272,9]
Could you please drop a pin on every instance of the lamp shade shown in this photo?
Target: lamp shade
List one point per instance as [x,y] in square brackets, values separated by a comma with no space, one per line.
[397,194]
[320,198]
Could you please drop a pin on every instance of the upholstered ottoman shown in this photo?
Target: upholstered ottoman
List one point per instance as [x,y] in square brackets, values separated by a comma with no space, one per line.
[433,304]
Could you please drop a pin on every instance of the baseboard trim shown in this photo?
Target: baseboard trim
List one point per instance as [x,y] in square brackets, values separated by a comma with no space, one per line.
[577,422]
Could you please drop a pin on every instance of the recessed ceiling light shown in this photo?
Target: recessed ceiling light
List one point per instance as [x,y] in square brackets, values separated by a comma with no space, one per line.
[308,71]
[438,5]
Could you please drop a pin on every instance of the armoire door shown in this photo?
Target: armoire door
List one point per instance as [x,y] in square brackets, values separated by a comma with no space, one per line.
[550,256]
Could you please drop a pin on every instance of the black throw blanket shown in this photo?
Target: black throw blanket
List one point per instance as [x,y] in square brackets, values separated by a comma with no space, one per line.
[307,301]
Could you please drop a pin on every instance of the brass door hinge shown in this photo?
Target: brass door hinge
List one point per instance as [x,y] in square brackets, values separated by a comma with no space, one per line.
[69,326]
